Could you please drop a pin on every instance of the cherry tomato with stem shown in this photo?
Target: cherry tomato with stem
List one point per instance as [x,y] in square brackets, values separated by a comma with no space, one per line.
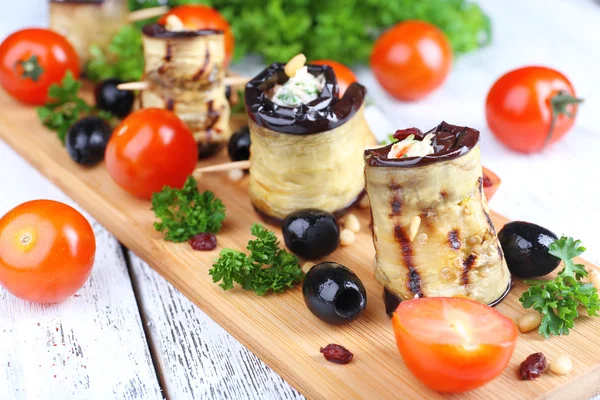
[530,108]
[198,17]
[343,74]
[47,251]
[453,344]
[33,59]
[150,149]
[411,60]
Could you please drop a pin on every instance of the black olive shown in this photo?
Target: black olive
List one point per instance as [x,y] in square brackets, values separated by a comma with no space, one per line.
[525,247]
[311,233]
[109,98]
[87,139]
[239,145]
[334,293]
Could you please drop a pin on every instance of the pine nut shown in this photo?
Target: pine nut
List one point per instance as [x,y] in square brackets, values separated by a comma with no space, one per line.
[173,23]
[347,237]
[235,175]
[530,321]
[595,278]
[413,228]
[352,223]
[475,239]
[561,365]
[364,202]
[294,65]
[307,266]
[422,238]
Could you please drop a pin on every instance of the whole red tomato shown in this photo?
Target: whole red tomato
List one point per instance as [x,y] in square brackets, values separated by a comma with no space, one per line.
[530,108]
[453,344]
[411,59]
[197,16]
[151,148]
[47,251]
[343,74]
[33,59]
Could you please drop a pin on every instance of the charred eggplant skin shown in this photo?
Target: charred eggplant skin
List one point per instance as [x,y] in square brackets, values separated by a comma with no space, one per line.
[334,294]
[525,247]
[311,233]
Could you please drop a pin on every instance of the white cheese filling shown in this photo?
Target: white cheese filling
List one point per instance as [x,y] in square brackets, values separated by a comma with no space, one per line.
[410,147]
[302,88]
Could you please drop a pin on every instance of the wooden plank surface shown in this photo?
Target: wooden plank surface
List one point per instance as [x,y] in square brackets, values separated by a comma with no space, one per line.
[89,346]
[279,328]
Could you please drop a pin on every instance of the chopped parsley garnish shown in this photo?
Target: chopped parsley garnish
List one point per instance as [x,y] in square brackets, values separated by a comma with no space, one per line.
[267,267]
[558,299]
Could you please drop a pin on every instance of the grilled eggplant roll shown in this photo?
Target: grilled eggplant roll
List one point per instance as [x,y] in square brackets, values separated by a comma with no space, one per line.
[307,143]
[185,71]
[432,231]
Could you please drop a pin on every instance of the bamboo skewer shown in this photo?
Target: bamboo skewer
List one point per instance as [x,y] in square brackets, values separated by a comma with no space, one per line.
[245,164]
[146,13]
[143,85]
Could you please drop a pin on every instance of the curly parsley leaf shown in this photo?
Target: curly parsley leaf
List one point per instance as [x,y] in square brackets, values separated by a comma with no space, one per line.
[123,59]
[66,107]
[268,267]
[186,212]
[558,299]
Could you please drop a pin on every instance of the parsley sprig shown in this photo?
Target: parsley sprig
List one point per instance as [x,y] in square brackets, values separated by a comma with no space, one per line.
[66,107]
[558,299]
[186,212]
[268,267]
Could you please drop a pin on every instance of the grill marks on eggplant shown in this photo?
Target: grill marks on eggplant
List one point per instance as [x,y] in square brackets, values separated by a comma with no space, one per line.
[414,278]
[467,265]
[454,239]
[204,66]
[396,201]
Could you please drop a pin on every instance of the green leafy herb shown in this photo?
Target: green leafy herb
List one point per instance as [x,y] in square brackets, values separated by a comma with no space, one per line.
[186,212]
[342,30]
[124,58]
[268,267]
[66,107]
[389,139]
[559,298]
[31,68]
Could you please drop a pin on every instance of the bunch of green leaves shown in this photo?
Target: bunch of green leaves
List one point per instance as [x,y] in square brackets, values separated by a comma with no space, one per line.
[558,299]
[123,59]
[342,30]
[66,107]
[186,212]
[268,267]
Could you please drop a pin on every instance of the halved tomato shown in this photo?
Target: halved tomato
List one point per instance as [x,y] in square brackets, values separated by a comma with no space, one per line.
[491,181]
[453,344]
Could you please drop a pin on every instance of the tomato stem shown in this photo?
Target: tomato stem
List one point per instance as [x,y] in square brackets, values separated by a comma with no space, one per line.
[559,105]
[31,68]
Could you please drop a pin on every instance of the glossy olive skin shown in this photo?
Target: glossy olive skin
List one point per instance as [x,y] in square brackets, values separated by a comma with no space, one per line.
[525,247]
[311,233]
[109,98]
[86,140]
[334,293]
[239,145]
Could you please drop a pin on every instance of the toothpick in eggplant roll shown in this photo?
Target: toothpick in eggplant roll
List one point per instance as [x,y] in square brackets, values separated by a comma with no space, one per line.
[185,70]
[307,142]
[432,230]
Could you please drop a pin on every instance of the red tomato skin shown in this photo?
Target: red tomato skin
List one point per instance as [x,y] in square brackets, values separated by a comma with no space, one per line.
[343,74]
[55,55]
[61,255]
[411,60]
[450,368]
[150,149]
[518,109]
[198,16]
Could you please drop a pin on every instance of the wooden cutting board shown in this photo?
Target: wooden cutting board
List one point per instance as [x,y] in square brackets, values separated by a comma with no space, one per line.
[279,328]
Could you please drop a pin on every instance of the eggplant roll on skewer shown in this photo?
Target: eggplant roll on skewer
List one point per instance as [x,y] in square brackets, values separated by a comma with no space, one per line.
[307,142]
[185,71]
[432,231]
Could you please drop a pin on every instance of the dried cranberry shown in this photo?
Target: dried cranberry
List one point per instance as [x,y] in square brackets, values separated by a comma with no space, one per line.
[487,182]
[203,241]
[337,354]
[532,367]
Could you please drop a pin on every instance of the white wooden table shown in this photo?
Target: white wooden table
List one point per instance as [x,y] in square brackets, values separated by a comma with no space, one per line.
[128,334]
